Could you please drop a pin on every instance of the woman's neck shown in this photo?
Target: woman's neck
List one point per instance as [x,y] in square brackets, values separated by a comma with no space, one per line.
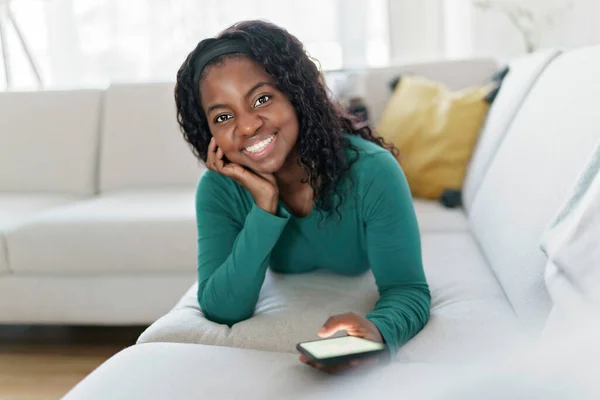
[291,176]
[294,189]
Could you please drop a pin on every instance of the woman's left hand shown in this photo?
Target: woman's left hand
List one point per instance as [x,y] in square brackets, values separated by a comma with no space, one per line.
[354,325]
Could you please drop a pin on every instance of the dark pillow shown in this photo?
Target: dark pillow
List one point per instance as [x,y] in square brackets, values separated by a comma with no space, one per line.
[451,198]
[497,78]
[500,75]
[394,82]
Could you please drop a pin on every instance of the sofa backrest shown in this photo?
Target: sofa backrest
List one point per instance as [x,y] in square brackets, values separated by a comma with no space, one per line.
[523,73]
[48,141]
[532,173]
[374,86]
[141,146]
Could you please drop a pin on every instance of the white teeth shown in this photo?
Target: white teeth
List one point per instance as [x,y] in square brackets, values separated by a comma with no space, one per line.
[255,148]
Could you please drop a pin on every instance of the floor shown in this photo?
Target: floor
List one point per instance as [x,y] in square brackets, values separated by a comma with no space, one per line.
[45,362]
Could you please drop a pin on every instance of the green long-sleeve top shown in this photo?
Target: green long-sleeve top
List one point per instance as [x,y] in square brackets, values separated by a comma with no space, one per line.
[238,241]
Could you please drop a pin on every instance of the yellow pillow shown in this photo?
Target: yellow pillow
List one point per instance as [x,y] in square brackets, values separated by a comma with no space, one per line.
[435,131]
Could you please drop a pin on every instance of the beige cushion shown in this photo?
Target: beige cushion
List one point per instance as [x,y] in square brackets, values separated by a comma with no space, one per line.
[142,146]
[469,309]
[290,309]
[540,157]
[125,232]
[49,142]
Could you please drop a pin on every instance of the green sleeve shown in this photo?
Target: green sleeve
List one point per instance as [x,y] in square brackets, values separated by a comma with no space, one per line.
[233,249]
[394,252]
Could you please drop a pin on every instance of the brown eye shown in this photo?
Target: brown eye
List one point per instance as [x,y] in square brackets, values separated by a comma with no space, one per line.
[262,100]
[222,118]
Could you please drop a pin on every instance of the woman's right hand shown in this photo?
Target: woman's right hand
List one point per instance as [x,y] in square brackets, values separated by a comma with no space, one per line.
[262,187]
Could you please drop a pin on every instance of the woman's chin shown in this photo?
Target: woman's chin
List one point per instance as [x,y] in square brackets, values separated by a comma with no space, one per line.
[267,166]
[267,171]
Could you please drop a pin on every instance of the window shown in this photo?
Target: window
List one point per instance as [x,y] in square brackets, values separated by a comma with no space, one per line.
[94,42]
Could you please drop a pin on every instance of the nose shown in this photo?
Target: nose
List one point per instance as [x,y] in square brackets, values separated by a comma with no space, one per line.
[248,123]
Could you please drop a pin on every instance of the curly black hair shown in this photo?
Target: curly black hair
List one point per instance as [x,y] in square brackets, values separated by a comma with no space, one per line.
[321,122]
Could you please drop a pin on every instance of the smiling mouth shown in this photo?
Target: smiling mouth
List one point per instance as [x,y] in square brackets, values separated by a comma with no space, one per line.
[262,148]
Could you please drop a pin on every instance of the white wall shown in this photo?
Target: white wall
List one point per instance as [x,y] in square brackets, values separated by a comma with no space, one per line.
[581,27]
[432,29]
[494,35]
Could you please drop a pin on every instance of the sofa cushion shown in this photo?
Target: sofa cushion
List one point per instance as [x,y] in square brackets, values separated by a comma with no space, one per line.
[142,146]
[434,129]
[177,371]
[538,161]
[470,314]
[456,74]
[521,77]
[99,299]
[16,208]
[564,368]
[136,231]
[469,309]
[3,256]
[186,371]
[433,217]
[49,141]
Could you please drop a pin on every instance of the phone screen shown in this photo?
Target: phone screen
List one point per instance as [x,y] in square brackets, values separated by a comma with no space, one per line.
[341,346]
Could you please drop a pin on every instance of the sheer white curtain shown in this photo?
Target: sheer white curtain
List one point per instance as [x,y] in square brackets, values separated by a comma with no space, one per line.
[90,43]
[427,30]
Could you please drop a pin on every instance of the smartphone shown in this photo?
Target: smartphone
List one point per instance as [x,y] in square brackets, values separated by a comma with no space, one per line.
[340,349]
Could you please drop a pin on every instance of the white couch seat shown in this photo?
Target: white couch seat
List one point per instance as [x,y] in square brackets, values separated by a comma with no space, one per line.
[16,208]
[433,217]
[120,232]
[188,371]
[469,309]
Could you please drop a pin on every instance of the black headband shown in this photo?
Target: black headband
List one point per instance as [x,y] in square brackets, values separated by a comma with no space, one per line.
[216,49]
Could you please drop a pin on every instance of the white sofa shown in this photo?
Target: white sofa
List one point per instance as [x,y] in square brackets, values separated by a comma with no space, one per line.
[477,299]
[486,277]
[97,216]
[96,206]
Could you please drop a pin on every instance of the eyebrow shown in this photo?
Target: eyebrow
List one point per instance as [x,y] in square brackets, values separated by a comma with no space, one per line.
[257,86]
[248,93]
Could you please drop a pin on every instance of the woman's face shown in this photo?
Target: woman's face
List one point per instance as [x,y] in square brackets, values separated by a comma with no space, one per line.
[253,123]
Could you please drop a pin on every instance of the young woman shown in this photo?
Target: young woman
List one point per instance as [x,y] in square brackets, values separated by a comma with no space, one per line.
[293,185]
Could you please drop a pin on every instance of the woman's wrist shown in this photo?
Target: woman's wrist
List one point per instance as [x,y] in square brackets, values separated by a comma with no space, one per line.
[268,204]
